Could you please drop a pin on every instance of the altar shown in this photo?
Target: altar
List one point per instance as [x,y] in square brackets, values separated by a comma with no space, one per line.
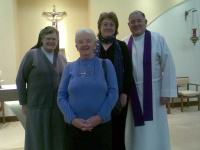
[7,93]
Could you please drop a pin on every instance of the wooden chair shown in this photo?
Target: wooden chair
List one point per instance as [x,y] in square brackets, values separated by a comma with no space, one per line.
[186,92]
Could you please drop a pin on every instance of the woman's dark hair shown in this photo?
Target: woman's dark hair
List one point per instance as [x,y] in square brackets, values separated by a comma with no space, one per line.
[109,15]
[47,30]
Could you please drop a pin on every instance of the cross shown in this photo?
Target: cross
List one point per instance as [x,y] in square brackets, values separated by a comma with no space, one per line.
[54,16]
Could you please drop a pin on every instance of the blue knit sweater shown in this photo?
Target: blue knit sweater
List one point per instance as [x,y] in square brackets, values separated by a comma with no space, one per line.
[84,92]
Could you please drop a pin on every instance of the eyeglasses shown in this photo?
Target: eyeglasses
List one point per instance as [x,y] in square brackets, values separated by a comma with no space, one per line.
[108,24]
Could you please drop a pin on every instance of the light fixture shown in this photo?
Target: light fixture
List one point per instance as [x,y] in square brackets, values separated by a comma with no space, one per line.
[194,26]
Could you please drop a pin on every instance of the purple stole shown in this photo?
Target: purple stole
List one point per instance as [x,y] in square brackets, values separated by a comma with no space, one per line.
[147,114]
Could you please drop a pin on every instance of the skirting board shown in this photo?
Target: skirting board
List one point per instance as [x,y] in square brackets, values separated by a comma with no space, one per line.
[9,119]
[178,104]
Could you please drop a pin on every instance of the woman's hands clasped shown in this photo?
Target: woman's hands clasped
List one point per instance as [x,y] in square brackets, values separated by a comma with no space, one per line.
[87,125]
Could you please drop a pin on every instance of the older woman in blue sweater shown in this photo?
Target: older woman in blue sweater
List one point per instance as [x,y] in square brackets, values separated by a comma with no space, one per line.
[86,97]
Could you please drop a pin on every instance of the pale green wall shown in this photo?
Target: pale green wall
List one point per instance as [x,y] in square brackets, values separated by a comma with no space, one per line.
[177,32]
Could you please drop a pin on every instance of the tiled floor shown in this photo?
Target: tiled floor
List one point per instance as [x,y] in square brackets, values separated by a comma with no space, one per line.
[11,136]
[184,131]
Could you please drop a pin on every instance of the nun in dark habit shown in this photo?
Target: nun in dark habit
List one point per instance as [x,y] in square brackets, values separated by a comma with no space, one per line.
[37,82]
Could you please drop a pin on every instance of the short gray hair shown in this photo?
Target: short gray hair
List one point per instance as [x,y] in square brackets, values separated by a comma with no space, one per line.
[137,12]
[85,30]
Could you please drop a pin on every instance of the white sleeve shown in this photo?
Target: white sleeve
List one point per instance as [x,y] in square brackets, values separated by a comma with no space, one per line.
[168,88]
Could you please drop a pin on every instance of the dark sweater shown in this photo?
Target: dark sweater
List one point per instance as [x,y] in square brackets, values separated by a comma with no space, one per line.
[38,79]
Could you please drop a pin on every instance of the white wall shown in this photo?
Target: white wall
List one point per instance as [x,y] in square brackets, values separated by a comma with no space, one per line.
[21,21]
[122,8]
[31,22]
[177,32]
[8,40]
[20,24]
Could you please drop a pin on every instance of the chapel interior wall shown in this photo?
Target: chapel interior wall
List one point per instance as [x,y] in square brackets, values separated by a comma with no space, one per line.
[21,22]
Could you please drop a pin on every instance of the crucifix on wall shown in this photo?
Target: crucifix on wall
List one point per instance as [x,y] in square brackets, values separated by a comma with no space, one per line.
[54,16]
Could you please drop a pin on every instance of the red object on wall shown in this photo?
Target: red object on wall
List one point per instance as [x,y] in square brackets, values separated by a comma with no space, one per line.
[194,37]
[194,32]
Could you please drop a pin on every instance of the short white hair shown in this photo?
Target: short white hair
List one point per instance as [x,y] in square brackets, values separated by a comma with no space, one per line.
[85,30]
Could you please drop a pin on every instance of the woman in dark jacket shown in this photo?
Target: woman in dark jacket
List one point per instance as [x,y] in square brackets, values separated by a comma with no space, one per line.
[108,47]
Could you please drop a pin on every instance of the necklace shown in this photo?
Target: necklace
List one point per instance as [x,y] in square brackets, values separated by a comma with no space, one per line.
[86,68]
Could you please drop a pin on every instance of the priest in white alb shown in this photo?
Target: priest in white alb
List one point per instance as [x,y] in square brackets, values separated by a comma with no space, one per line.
[154,83]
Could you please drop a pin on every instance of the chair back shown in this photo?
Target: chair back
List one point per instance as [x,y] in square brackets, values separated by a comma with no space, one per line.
[182,81]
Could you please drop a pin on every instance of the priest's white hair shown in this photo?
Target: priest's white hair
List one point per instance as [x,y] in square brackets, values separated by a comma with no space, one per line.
[137,12]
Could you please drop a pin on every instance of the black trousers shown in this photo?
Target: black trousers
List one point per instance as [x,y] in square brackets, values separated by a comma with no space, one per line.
[100,138]
[118,130]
